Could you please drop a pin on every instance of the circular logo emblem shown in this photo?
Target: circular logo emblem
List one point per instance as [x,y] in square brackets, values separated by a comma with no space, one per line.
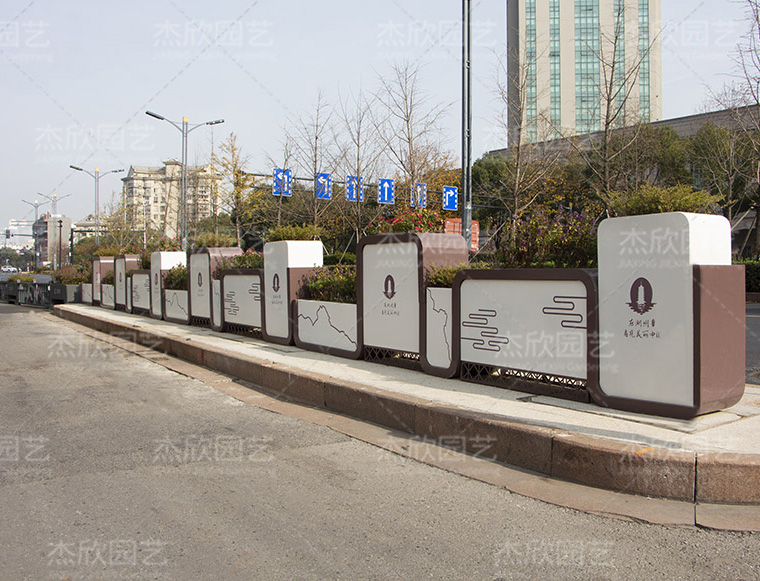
[155,278]
[200,279]
[641,296]
[276,282]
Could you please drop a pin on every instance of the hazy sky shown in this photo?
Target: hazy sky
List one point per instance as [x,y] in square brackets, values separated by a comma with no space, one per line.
[77,77]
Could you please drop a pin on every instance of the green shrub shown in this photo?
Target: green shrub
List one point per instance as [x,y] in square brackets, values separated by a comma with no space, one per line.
[168,245]
[107,278]
[71,274]
[145,257]
[408,220]
[651,199]
[176,278]
[333,283]
[339,258]
[290,232]
[249,259]
[212,240]
[443,276]
[20,278]
[565,240]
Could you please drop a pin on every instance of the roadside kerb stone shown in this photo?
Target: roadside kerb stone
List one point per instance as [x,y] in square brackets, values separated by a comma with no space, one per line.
[301,386]
[597,462]
[725,478]
[377,406]
[624,468]
[488,436]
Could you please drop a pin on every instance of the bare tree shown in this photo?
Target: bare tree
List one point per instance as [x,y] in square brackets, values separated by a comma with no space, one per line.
[747,92]
[726,163]
[359,151]
[284,161]
[311,137]
[235,184]
[619,76]
[407,124]
[531,158]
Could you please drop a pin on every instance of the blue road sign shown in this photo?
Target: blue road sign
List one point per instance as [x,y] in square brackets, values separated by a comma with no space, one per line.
[450,198]
[419,196]
[282,182]
[287,184]
[386,192]
[354,189]
[277,176]
[324,186]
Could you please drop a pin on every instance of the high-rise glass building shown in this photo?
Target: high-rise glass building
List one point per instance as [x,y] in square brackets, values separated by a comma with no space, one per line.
[574,63]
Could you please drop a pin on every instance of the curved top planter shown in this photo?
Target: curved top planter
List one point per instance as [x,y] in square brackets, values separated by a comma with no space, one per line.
[123,263]
[287,264]
[201,264]
[101,265]
[391,286]
[160,264]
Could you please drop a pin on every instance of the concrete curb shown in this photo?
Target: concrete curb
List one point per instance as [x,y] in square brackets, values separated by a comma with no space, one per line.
[731,479]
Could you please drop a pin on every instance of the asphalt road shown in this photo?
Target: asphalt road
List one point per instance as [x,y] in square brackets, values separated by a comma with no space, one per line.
[113,467]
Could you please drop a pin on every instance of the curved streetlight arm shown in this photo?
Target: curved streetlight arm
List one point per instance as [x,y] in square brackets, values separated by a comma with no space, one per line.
[179,126]
[53,198]
[215,122]
[98,175]
[35,204]
[162,118]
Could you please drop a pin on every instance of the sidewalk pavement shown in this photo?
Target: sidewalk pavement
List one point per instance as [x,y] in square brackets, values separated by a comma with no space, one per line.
[713,459]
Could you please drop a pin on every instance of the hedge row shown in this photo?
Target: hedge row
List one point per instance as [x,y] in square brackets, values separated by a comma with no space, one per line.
[752,276]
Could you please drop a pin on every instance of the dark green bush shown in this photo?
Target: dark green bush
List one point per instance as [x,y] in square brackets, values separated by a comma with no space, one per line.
[145,256]
[564,240]
[176,278]
[72,274]
[443,276]
[333,283]
[752,275]
[107,278]
[339,258]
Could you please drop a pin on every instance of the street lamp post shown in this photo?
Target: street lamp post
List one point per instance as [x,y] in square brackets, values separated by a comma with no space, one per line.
[36,205]
[60,242]
[54,199]
[183,128]
[145,223]
[466,125]
[96,176]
